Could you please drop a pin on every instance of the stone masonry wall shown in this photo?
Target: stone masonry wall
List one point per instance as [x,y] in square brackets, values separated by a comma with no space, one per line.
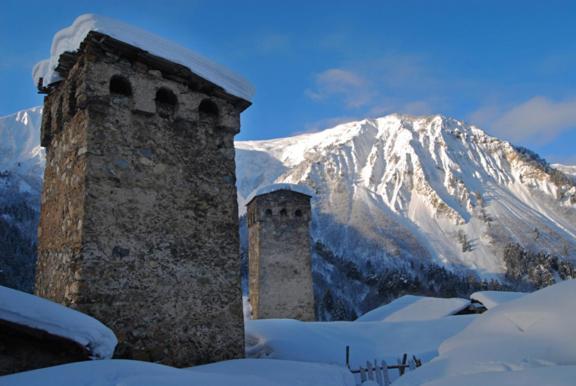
[64,131]
[279,256]
[159,251]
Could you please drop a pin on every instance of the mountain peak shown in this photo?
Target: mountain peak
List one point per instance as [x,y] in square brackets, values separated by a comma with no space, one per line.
[421,187]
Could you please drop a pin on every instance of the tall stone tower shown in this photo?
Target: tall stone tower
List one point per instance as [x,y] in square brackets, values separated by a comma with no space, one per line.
[280,281]
[139,218]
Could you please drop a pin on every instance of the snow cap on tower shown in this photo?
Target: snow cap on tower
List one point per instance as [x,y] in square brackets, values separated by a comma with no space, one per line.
[70,38]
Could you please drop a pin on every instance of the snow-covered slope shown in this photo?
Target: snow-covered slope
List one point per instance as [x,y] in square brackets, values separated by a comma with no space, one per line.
[422,188]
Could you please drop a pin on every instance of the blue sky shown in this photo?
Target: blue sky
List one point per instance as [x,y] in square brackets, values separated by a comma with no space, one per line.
[507,66]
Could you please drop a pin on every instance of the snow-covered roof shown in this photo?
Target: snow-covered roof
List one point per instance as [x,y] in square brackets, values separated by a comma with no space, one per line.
[411,307]
[303,189]
[41,314]
[491,299]
[70,38]
[506,344]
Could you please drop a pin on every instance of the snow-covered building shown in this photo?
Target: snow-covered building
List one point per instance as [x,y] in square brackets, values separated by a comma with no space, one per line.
[37,333]
[139,218]
[280,273]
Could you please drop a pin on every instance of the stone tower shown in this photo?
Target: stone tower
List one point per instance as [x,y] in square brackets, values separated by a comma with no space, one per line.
[139,218]
[280,282]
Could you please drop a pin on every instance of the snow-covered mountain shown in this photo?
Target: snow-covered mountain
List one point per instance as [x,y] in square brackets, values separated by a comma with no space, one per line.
[566,169]
[430,188]
[21,167]
[403,203]
[402,191]
[20,150]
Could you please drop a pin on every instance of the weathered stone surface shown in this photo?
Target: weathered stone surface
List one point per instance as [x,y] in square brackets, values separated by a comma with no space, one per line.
[280,277]
[139,219]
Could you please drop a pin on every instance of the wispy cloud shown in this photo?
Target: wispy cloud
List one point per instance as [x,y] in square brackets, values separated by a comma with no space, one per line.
[538,119]
[390,83]
[348,85]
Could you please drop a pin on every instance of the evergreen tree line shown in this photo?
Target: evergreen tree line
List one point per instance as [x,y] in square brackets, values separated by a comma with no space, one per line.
[387,284]
[17,245]
[17,258]
[534,270]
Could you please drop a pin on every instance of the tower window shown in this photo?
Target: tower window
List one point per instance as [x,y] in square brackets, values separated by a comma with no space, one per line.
[120,86]
[283,212]
[208,111]
[268,212]
[298,213]
[166,102]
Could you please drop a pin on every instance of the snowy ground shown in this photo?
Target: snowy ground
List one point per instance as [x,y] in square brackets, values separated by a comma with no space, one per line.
[244,372]
[525,339]
[326,341]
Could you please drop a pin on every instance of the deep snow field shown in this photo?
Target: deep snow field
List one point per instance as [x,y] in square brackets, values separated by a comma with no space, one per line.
[522,339]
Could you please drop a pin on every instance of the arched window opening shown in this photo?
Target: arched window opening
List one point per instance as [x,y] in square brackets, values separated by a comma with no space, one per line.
[208,111]
[298,213]
[166,102]
[283,212]
[120,86]
[268,212]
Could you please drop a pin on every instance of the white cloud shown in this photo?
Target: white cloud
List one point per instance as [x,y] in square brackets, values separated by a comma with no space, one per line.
[340,83]
[537,119]
[393,82]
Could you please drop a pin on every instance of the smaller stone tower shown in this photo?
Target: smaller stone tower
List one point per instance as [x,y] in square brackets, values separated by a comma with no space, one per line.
[279,255]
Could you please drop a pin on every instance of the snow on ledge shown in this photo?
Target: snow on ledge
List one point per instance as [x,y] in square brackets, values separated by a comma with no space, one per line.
[303,189]
[70,38]
[42,314]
